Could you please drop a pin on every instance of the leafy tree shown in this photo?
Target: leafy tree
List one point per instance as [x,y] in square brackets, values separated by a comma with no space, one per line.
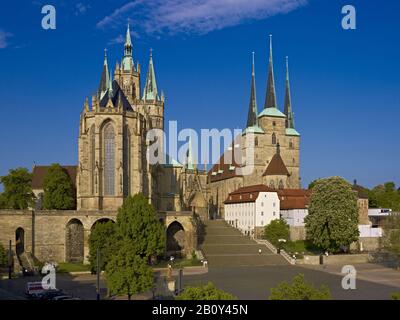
[206,292]
[391,235]
[277,229]
[105,237]
[3,256]
[59,193]
[138,222]
[2,201]
[299,289]
[396,296]
[313,183]
[17,189]
[385,196]
[128,273]
[332,220]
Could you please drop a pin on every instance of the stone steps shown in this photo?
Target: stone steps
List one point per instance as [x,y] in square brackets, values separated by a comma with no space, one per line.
[225,246]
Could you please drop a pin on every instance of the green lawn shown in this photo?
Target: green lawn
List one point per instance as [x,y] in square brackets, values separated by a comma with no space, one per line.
[179,263]
[300,248]
[65,267]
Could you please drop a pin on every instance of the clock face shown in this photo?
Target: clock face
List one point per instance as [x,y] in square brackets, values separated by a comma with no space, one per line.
[126,82]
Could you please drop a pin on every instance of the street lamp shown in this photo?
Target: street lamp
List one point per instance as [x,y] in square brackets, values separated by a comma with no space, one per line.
[280,245]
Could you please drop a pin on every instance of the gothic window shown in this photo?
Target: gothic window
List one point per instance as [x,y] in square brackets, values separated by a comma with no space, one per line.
[109,160]
[256,141]
[272,185]
[291,144]
[92,157]
[127,161]
[280,184]
[274,138]
[274,123]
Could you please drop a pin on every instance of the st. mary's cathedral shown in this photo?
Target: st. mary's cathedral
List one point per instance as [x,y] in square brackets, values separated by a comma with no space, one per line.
[113,146]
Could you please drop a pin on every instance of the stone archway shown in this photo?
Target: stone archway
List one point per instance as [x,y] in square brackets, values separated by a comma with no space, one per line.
[19,241]
[102,220]
[74,242]
[176,243]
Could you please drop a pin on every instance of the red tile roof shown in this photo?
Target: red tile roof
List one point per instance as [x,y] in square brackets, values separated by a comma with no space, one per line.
[276,167]
[39,172]
[289,198]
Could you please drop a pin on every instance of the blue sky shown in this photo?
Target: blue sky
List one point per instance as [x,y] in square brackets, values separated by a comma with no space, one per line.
[345,83]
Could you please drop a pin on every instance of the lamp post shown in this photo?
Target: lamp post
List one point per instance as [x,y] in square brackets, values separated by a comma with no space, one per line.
[280,244]
[9,260]
[98,274]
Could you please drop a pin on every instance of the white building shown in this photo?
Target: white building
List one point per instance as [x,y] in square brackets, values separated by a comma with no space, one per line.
[250,209]
[294,217]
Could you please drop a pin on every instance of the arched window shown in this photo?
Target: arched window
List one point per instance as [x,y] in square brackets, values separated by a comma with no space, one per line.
[274,138]
[291,144]
[92,157]
[281,184]
[127,161]
[272,185]
[109,160]
[256,141]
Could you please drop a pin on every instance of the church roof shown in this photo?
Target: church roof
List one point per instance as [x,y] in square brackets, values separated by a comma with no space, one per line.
[253,129]
[276,167]
[118,98]
[272,112]
[292,132]
[247,194]
[226,166]
[39,173]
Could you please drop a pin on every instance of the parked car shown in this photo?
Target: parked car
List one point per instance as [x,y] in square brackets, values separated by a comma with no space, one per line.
[62,297]
[27,272]
[50,294]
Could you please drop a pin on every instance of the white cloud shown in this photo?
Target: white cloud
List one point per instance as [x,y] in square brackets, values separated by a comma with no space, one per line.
[195,16]
[81,8]
[3,39]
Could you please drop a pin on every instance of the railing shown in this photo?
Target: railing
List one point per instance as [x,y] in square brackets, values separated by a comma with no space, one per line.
[283,253]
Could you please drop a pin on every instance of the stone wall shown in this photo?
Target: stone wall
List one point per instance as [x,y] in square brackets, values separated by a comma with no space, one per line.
[49,237]
[297,233]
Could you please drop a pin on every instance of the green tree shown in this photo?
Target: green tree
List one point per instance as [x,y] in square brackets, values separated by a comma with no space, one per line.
[299,289]
[391,235]
[206,292]
[128,273]
[385,196]
[17,189]
[332,220]
[396,296]
[313,183]
[105,237]
[138,222]
[3,256]
[59,193]
[277,229]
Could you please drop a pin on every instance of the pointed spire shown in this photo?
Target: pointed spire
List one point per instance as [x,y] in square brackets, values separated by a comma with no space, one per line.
[150,90]
[105,76]
[288,101]
[128,42]
[252,119]
[270,98]
[127,61]
[110,88]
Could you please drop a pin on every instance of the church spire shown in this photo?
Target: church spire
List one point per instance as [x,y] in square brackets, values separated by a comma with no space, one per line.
[288,100]
[150,90]
[105,77]
[270,98]
[252,119]
[128,43]
[127,61]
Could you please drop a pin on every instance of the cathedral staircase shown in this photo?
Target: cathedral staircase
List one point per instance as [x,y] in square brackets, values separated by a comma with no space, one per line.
[225,246]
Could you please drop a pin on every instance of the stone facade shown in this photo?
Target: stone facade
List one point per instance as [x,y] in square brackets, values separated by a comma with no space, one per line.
[270,144]
[62,236]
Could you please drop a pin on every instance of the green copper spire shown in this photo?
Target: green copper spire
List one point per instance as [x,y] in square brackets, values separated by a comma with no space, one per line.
[105,77]
[288,100]
[128,43]
[127,61]
[150,92]
[252,119]
[270,98]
